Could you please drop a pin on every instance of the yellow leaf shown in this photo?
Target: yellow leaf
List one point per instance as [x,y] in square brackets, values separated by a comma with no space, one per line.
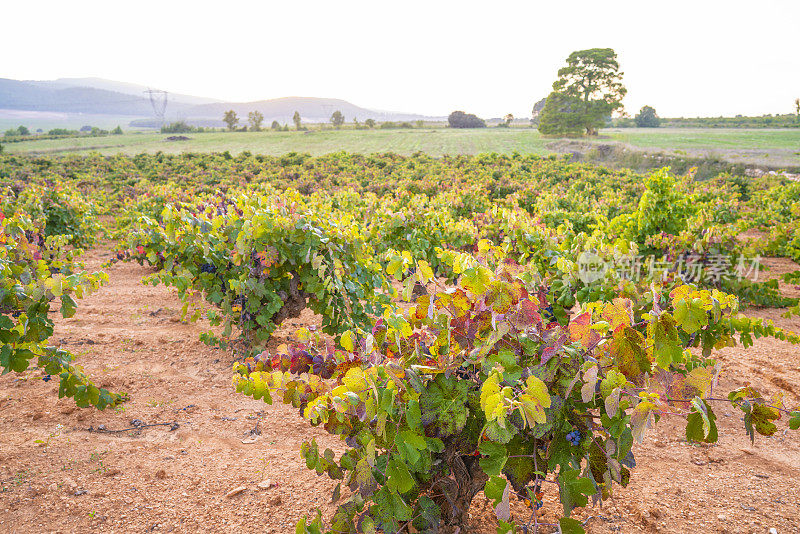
[490,388]
[348,341]
[538,390]
[425,271]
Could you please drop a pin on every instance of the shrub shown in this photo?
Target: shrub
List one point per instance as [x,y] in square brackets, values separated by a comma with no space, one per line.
[647,118]
[178,127]
[459,119]
[62,131]
[476,388]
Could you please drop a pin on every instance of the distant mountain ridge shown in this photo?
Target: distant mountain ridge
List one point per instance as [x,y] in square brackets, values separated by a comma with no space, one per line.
[18,95]
[107,97]
[118,87]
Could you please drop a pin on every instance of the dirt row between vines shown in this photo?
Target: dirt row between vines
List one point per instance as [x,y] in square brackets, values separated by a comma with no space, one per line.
[215,473]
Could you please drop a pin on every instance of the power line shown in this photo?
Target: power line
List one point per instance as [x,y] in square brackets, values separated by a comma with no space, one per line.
[158,99]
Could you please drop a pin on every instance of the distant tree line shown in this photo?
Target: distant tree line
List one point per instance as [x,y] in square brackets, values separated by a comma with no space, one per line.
[256,119]
[787,120]
[23,133]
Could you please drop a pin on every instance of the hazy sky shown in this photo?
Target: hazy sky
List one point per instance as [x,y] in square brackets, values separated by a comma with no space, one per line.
[685,58]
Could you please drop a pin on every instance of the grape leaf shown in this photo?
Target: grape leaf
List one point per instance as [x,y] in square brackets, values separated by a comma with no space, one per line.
[629,354]
[701,424]
[580,330]
[663,337]
[400,479]
[494,489]
[574,490]
[444,406]
[794,421]
[640,419]
[495,457]
[690,315]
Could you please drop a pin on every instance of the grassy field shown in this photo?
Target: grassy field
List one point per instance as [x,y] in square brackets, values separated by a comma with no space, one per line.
[760,146]
[778,147]
[433,141]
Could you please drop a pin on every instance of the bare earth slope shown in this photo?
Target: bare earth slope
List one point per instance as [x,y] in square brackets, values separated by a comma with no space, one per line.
[204,476]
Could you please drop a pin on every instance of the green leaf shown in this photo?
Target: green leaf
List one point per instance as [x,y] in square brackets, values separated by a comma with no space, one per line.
[68,306]
[570,526]
[444,406]
[400,479]
[409,444]
[413,415]
[494,489]
[520,467]
[363,477]
[20,360]
[391,506]
[574,490]
[701,424]
[762,417]
[6,323]
[794,421]
[663,335]
[690,315]
[475,280]
[495,457]
[498,433]
[5,358]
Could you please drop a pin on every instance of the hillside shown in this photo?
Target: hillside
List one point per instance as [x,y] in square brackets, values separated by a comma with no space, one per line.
[18,95]
[97,96]
[118,87]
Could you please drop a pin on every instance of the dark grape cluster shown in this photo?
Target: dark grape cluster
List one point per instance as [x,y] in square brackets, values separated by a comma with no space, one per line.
[574,438]
[208,268]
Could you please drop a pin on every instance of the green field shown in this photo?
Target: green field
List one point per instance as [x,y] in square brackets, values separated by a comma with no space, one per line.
[437,141]
[764,146]
[759,146]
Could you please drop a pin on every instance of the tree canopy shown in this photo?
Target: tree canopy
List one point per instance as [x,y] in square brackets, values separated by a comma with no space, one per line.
[588,90]
[459,119]
[230,119]
[337,119]
[255,118]
[647,118]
